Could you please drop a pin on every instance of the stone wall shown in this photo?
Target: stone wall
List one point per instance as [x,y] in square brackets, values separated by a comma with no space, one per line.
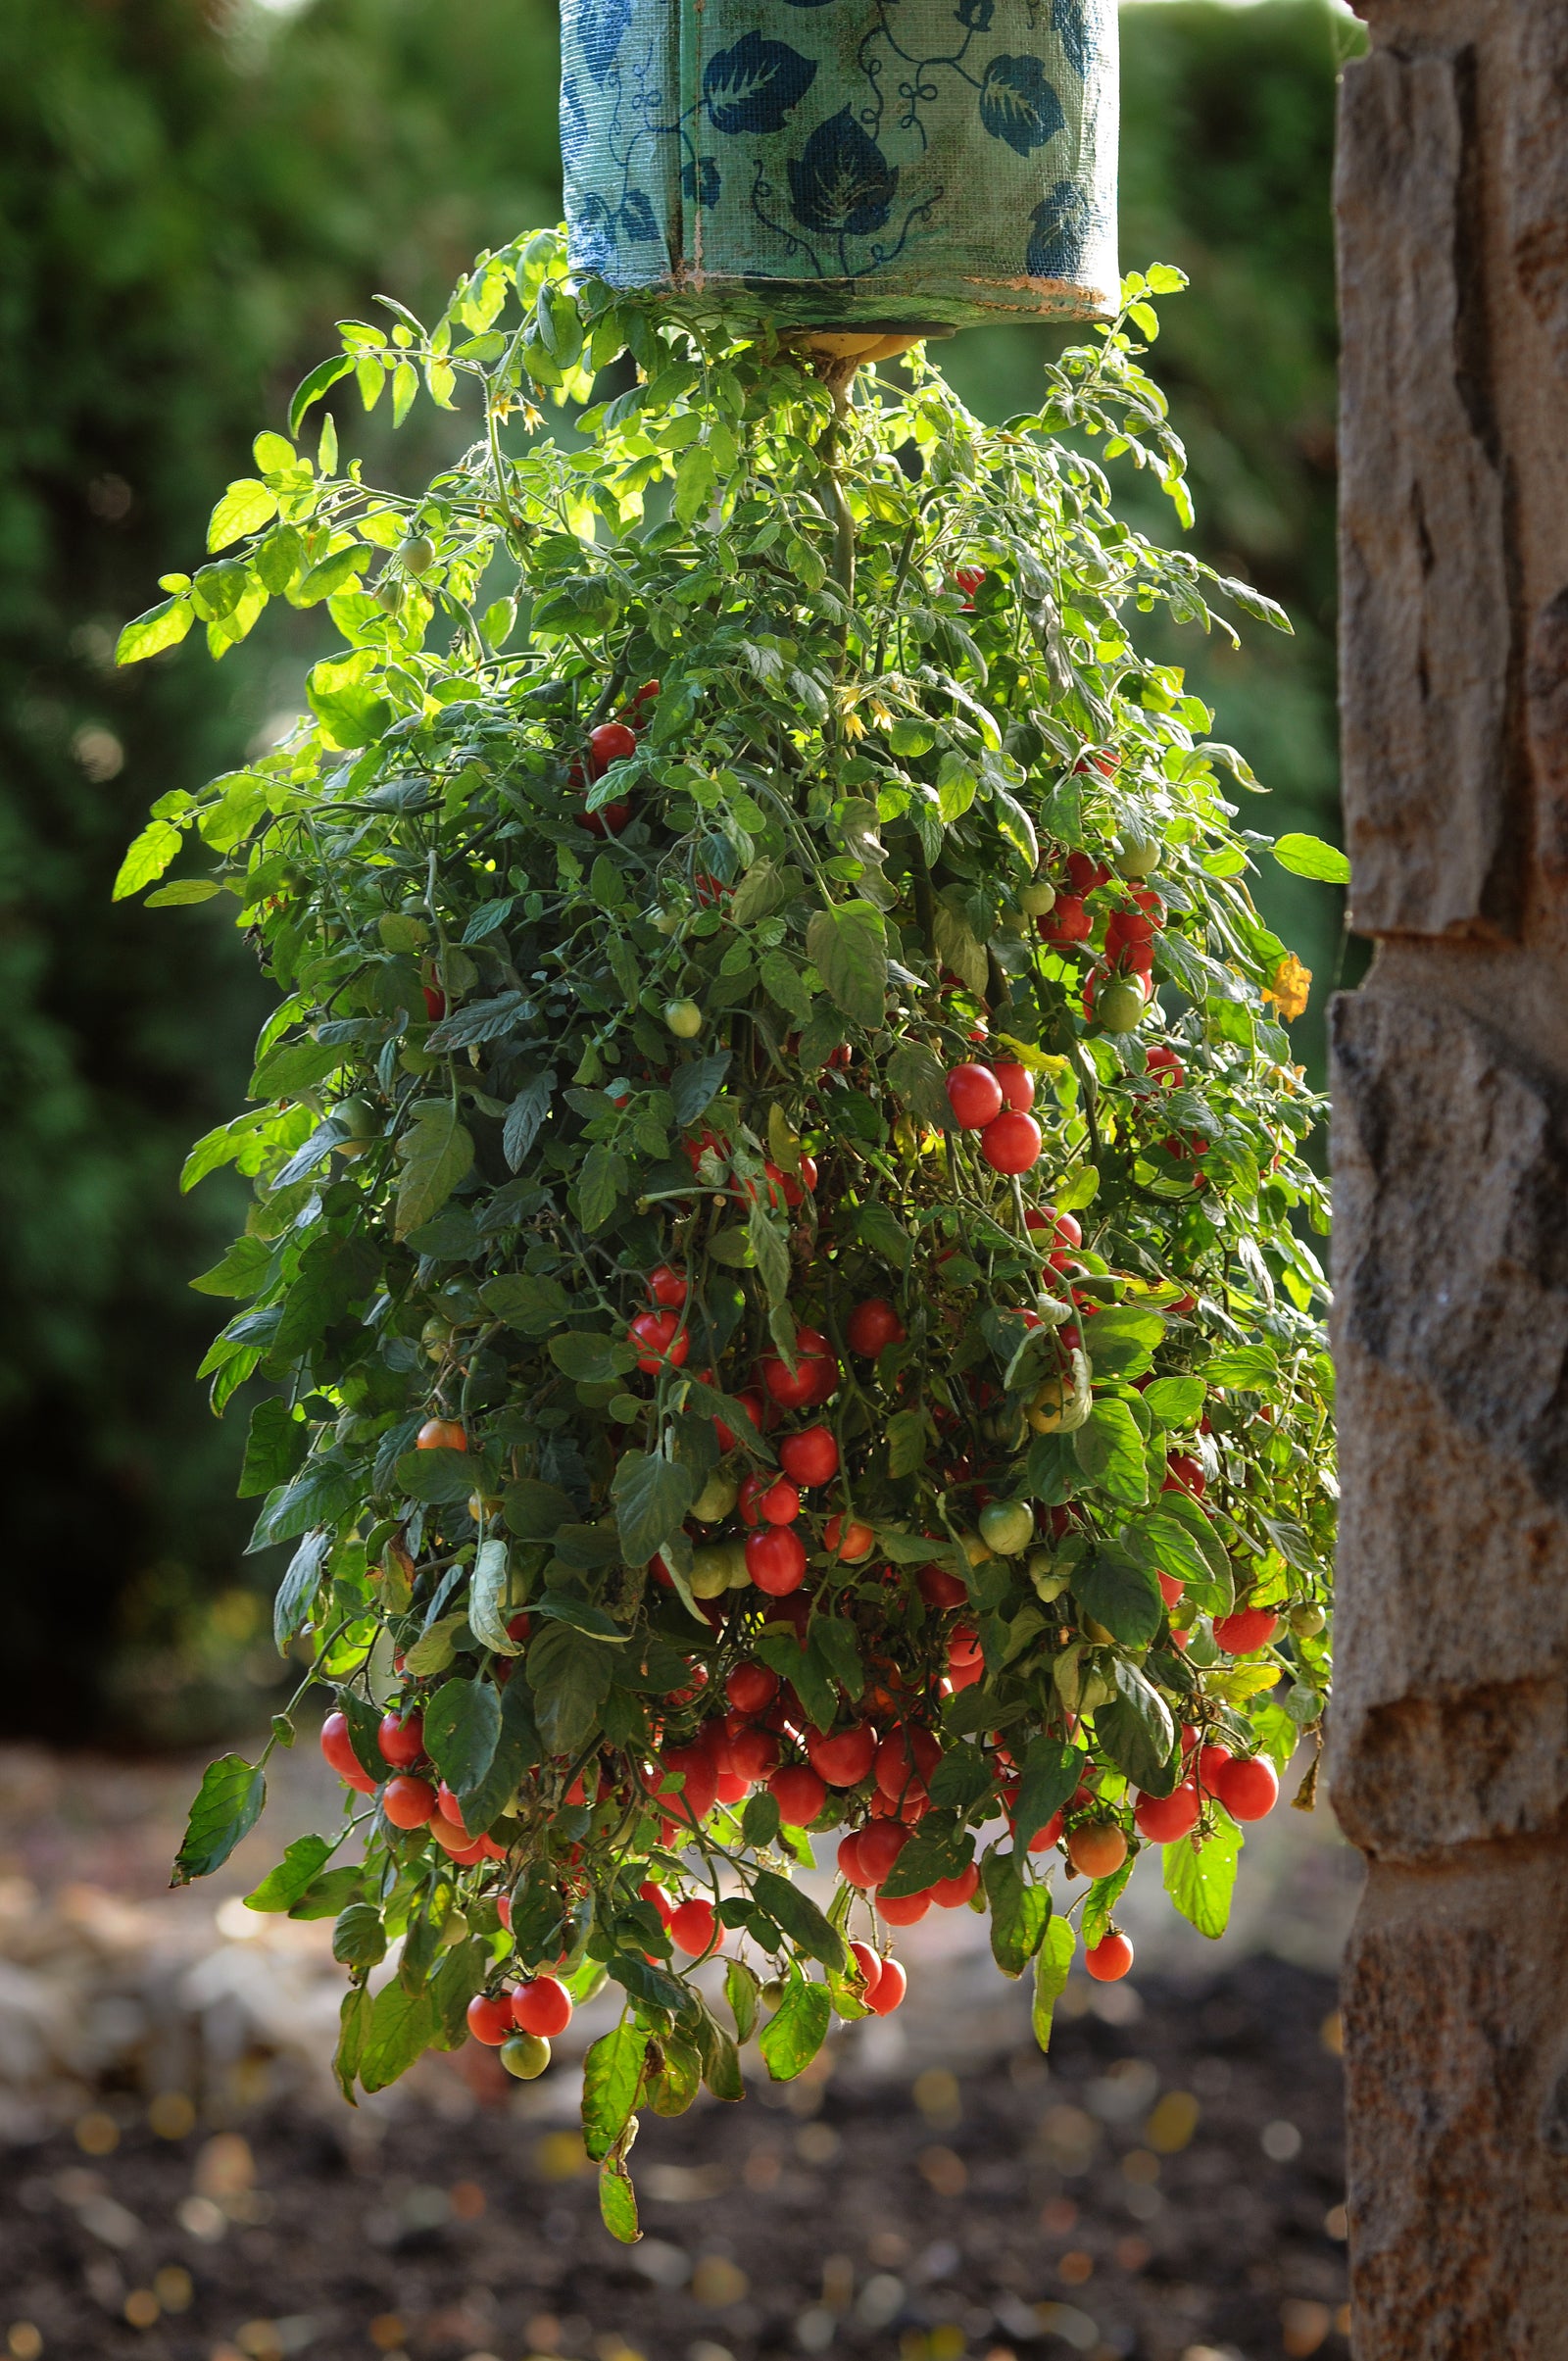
[1448,1756]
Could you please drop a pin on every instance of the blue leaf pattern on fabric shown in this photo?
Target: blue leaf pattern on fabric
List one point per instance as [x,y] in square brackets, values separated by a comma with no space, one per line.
[600,27]
[700,182]
[1018,104]
[1067,20]
[637,217]
[753,86]
[593,237]
[975,15]
[573,117]
[1060,226]
[842,184]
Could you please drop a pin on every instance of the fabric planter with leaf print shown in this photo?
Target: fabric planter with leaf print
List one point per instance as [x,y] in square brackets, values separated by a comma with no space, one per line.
[914,163]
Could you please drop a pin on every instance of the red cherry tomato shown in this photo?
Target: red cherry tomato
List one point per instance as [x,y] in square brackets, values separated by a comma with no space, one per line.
[814,1379]
[881,1843]
[650,1893]
[871,1325]
[1084,874]
[667,1287]
[408,1802]
[850,1542]
[1211,1760]
[852,1866]
[441,1435]
[907,1911]
[692,1926]
[1249,1788]
[1166,1067]
[870,1966]
[775,1560]
[1184,1474]
[1012,1143]
[1067,921]
[799,1792]
[1018,1086]
[338,1750]
[697,1797]
[401,1739]
[951,1893]
[752,1754]
[811,1457]
[1247,1631]
[1162,1819]
[751,1688]
[940,1589]
[1170,1589]
[610,742]
[542,2006]
[974,1095]
[889,1989]
[905,1761]
[1111,1958]
[490,2019]
[843,1757]
[662,1340]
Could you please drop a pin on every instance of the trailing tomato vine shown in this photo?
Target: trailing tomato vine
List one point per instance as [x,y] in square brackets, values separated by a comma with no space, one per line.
[780,1246]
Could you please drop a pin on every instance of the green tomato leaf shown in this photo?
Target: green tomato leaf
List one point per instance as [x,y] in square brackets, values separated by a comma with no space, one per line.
[612,2079]
[302,1863]
[229,1804]
[1121,1593]
[796,2030]
[651,1496]
[1311,857]
[847,945]
[436,1152]
[1109,1448]
[403,2026]
[807,1927]
[461,1727]
[1200,1878]
[1053,1961]
[617,2201]
[1020,1911]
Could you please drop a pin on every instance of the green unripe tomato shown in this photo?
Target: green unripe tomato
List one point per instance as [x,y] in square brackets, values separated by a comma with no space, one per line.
[1007,1526]
[715,1499]
[1036,899]
[388,595]
[454,1931]
[1046,1583]
[417,555]
[709,1574]
[684,1018]
[1120,1006]
[358,1117]
[526,2054]
[740,1573]
[1308,1619]
[1140,857]
[436,1337]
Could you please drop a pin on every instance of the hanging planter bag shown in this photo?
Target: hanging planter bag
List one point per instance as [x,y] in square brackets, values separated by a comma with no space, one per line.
[914,164]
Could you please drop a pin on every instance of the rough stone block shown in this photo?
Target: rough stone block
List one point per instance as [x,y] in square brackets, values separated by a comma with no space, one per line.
[1450,1716]
[1433,810]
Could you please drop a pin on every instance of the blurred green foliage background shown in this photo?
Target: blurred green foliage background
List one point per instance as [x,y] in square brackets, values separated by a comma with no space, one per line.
[189,196]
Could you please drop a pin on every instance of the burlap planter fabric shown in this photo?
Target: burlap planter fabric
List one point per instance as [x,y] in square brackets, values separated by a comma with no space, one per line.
[913,163]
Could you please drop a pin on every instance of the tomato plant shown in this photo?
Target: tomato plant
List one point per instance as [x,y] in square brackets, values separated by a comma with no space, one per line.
[779,1261]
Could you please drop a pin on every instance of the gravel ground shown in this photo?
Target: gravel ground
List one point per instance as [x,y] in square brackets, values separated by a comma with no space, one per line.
[177,2182]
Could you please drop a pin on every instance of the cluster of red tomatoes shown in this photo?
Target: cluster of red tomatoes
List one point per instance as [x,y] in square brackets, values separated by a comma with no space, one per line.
[1118,984]
[611,742]
[995,1100]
